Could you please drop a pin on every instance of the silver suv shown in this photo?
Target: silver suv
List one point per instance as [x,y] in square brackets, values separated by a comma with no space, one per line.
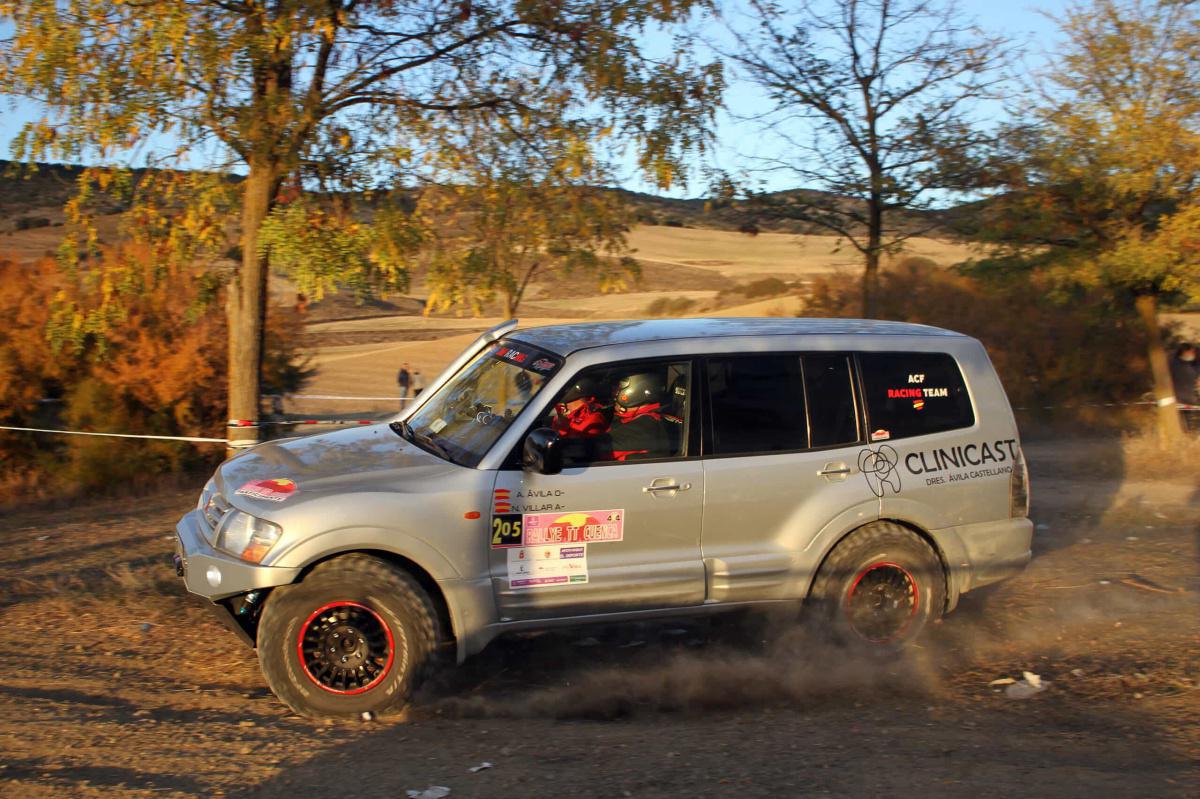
[618,471]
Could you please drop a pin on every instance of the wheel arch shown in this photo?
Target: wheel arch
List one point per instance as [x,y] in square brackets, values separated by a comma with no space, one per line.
[418,573]
[916,529]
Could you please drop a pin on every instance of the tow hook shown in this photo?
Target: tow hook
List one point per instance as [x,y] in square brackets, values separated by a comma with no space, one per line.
[247,603]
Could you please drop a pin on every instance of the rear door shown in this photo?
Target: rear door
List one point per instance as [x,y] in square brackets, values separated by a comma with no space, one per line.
[782,464]
[604,535]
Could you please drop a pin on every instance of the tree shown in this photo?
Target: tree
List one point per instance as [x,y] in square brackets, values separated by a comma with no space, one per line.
[1104,180]
[514,203]
[296,91]
[872,100]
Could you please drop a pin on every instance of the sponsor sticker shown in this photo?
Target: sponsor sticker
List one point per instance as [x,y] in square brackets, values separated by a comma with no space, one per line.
[514,529]
[545,565]
[881,435]
[273,490]
[574,527]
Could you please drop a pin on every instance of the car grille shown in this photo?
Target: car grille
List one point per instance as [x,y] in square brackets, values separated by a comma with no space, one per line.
[214,511]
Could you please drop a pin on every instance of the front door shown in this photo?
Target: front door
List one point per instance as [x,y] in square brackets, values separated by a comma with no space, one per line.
[606,535]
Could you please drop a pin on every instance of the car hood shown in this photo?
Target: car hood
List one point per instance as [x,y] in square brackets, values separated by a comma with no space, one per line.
[291,471]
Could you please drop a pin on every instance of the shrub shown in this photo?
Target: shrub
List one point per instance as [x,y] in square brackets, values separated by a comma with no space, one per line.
[766,287]
[30,222]
[1049,350]
[670,306]
[159,369]
[749,228]
[673,221]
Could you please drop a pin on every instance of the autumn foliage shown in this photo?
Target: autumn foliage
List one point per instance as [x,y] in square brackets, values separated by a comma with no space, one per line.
[158,368]
[1059,356]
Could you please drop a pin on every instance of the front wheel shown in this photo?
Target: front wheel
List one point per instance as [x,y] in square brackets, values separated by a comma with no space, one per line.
[357,635]
[880,587]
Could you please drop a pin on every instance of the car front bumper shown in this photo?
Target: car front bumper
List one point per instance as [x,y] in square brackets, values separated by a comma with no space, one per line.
[216,575]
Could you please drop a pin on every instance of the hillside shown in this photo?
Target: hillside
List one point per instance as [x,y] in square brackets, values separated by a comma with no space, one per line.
[31,197]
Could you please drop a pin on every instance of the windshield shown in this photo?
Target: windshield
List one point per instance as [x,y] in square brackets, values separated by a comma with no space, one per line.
[466,416]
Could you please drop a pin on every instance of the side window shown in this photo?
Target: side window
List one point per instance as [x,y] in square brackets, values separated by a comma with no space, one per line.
[624,412]
[829,393]
[757,404]
[913,393]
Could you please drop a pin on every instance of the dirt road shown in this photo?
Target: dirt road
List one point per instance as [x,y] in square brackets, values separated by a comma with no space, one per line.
[112,683]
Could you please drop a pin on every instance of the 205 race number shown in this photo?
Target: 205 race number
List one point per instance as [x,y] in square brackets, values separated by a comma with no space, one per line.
[506,530]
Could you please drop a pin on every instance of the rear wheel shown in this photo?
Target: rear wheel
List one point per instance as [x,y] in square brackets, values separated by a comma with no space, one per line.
[357,635]
[880,587]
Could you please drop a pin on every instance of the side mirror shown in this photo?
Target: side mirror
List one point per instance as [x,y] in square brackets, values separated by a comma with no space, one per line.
[542,452]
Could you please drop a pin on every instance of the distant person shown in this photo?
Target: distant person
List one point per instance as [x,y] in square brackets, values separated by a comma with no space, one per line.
[404,378]
[418,383]
[1185,372]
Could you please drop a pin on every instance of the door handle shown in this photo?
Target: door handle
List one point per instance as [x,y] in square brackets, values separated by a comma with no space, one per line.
[835,468]
[654,489]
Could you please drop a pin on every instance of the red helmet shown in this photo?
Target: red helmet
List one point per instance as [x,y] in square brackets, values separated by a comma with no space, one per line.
[587,418]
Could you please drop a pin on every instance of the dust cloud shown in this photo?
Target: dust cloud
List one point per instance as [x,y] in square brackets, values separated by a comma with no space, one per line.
[798,669]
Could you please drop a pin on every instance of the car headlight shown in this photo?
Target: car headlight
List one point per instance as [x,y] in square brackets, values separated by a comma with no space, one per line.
[248,537]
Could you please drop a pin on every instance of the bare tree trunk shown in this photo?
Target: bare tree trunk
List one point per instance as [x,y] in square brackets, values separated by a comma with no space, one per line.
[870,287]
[513,299]
[1170,427]
[246,306]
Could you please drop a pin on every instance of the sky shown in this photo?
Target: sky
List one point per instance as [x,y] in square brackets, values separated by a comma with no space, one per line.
[1020,21]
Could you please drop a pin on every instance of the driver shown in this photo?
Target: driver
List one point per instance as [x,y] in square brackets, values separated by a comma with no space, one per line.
[638,429]
[578,414]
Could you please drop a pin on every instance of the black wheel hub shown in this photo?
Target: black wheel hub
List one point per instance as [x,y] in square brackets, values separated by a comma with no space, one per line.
[345,648]
[882,602]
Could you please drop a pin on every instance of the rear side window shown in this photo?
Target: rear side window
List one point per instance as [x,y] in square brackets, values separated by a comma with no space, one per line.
[913,393]
[829,394]
[757,404]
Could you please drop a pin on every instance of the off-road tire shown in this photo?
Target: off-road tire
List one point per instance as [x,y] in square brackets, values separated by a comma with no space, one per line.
[385,600]
[879,588]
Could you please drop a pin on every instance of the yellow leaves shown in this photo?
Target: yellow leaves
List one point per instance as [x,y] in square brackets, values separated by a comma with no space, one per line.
[1166,260]
[664,173]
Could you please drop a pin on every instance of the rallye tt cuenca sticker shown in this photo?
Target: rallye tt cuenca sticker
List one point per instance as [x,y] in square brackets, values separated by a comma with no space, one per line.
[559,527]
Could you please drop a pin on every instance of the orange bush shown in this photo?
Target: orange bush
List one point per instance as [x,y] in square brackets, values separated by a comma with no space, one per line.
[1049,350]
[158,367]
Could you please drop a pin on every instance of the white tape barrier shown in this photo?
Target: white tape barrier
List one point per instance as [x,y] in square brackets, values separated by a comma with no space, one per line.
[338,397]
[193,439]
[1159,403]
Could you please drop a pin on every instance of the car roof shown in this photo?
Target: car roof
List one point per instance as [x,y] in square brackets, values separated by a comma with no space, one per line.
[566,339]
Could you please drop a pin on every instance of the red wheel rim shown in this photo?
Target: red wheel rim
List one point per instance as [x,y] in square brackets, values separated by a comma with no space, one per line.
[345,648]
[882,602]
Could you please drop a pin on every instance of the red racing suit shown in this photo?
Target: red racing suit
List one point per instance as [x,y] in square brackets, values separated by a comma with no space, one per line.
[640,431]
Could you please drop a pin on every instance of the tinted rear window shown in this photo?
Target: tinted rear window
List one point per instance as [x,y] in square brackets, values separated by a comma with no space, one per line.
[829,391]
[757,404]
[913,393]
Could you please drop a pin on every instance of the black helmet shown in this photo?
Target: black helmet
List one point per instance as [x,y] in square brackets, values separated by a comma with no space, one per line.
[583,388]
[636,390]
